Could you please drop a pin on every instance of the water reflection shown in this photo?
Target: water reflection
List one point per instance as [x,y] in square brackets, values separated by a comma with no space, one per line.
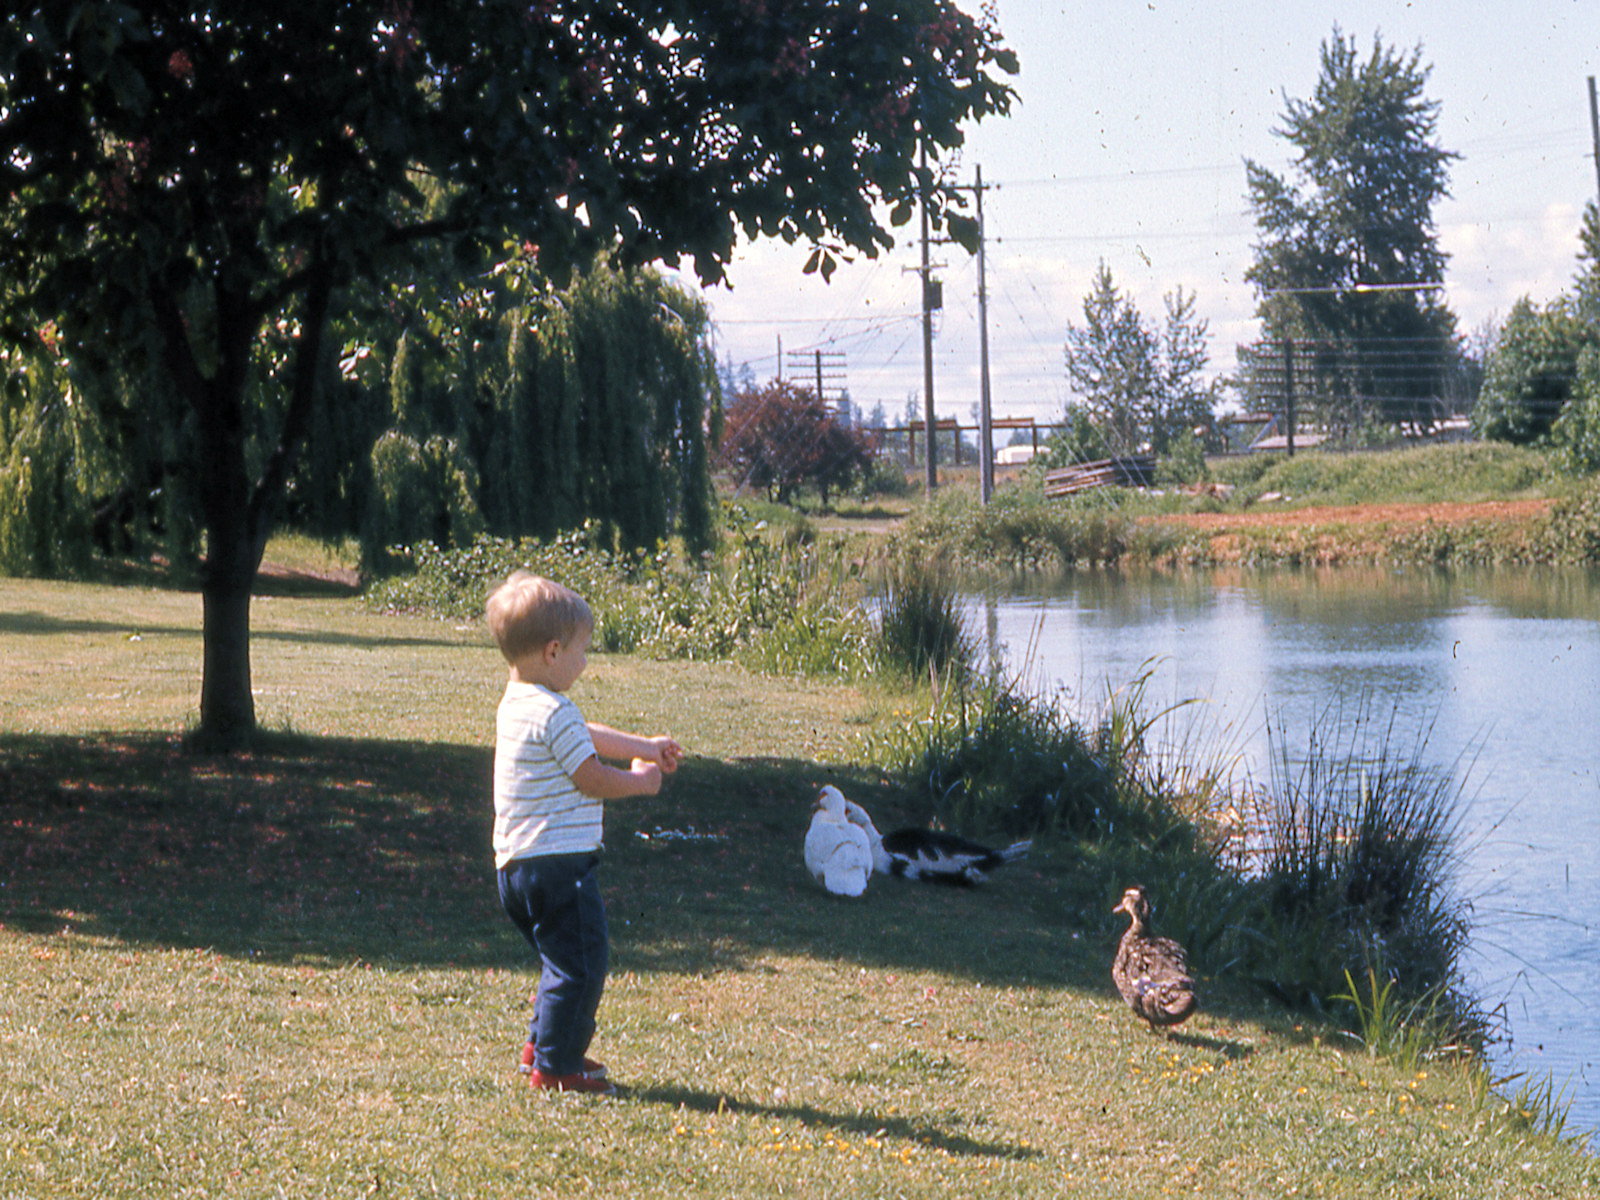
[1501,665]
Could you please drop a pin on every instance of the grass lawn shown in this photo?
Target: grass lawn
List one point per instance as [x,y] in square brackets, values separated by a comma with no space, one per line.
[286,974]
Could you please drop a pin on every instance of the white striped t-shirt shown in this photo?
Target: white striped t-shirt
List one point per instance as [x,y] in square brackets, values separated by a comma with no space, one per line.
[541,739]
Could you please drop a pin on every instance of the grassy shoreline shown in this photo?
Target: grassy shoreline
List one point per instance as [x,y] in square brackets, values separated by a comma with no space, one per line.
[1444,505]
[284,974]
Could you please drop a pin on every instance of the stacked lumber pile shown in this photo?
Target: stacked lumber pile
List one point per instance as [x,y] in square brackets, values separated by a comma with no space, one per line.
[1136,471]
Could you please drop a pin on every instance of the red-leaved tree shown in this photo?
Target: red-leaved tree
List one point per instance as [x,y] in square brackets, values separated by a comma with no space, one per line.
[782,438]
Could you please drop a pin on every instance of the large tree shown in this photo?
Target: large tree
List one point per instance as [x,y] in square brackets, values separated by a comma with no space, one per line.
[1348,263]
[179,179]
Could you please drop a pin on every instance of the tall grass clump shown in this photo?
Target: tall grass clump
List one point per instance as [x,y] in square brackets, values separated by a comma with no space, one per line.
[920,629]
[994,759]
[1360,847]
[993,755]
[1389,1027]
[991,758]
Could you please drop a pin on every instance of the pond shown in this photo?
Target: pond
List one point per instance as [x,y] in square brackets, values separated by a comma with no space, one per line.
[1498,670]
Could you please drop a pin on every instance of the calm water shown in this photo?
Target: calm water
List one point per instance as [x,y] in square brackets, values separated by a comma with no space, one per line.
[1505,668]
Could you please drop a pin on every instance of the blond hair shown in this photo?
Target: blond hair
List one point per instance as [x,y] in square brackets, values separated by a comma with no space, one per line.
[528,611]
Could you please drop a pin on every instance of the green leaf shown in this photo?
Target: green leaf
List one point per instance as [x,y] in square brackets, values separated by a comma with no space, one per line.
[964,230]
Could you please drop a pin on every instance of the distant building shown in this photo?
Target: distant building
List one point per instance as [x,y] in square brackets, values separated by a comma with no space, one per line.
[1013,456]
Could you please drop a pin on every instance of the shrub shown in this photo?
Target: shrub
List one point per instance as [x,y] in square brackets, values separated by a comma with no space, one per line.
[1184,462]
[1576,433]
[919,623]
[777,600]
[885,477]
[1572,533]
[1530,372]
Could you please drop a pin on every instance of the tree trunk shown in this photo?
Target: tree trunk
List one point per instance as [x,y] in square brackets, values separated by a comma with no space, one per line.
[237,513]
[227,705]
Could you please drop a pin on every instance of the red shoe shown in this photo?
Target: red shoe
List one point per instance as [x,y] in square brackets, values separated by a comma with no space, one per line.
[594,1070]
[588,1084]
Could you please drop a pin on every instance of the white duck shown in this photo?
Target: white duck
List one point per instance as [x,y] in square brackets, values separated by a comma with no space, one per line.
[932,854]
[838,851]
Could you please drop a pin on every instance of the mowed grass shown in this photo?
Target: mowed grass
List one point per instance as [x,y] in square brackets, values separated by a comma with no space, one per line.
[286,974]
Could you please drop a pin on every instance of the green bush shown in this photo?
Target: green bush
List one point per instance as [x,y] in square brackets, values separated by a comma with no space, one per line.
[886,477]
[1184,462]
[1576,433]
[1530,373]
[919,623]
[1572,532]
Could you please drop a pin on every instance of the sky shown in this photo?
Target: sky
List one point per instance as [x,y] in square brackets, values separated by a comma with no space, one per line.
[1126,144]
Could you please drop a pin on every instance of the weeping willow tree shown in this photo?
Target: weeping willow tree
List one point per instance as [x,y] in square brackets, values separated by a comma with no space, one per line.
[50,466]
[79,473]
[526,417]
[610,389]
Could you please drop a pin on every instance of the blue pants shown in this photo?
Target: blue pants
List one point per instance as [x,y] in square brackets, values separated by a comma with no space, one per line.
[555,901]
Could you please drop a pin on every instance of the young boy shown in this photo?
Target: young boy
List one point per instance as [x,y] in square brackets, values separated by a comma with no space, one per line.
[549,789]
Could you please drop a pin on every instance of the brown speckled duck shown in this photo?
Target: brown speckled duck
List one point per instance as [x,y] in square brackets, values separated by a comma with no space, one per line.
[1152,973]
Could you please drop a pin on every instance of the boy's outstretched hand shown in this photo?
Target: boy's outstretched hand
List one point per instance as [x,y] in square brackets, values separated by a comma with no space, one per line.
[668,754]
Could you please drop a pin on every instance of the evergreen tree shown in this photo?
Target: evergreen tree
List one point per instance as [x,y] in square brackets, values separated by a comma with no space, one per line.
[1111,363]
[1138,387]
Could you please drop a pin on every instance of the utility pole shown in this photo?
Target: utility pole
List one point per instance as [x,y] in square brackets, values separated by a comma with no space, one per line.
[929,422]
[1594,130]
[826,367]
[1288,392]
[985,419]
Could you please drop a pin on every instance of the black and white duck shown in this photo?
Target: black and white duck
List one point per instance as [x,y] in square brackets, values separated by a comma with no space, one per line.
[932,855]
